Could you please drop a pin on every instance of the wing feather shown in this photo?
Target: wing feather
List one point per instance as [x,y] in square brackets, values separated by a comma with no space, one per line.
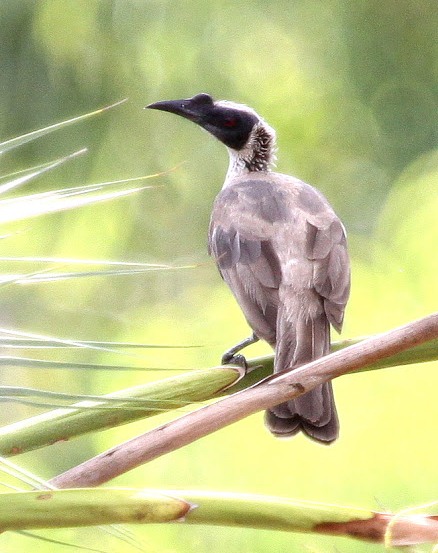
[327,247]
[244,239]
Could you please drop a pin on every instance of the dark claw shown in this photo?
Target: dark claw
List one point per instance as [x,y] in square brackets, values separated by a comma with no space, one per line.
[239,360]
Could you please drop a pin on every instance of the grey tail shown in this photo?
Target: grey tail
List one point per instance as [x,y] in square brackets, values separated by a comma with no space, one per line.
[313,413]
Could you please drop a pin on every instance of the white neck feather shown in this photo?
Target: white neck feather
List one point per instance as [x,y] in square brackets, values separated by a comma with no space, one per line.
[258,154]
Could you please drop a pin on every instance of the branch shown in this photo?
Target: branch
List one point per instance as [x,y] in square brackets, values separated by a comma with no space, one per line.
[260,367]
[270,392]
[146,400]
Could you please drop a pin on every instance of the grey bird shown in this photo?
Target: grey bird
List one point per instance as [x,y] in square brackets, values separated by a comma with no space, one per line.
[282,250]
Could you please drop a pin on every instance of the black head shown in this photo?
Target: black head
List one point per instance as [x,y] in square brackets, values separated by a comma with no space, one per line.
[230,123]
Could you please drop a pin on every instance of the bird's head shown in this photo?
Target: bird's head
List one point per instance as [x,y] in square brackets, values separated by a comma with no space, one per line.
[230,123]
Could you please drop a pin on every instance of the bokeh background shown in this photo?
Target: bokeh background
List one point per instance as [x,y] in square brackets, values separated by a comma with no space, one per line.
[352,89]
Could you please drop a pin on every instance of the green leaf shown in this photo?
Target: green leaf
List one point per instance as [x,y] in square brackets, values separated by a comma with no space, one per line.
[32,174]
[28,137]
[33,205]
[49,343]
[65,423]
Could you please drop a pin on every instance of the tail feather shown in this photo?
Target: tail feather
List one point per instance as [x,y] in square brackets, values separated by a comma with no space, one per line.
[313,413]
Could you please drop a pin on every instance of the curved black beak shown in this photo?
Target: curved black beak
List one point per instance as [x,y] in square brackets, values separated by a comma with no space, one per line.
[193,109]
[179,107]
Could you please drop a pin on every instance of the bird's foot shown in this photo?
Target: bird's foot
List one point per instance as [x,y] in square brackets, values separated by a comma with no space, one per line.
[232,357]
[239,360]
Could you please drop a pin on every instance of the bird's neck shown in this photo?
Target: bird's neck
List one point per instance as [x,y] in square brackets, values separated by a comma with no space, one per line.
[257,155]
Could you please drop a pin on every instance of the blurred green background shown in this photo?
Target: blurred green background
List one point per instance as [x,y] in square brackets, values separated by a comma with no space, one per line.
[352,89]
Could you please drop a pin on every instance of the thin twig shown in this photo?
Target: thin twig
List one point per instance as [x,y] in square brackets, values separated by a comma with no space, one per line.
[270,392]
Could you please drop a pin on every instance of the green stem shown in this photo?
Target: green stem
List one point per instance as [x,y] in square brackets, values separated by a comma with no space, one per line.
[154,398]
[164,395]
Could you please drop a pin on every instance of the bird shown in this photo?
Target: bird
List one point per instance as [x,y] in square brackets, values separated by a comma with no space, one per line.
[282,250]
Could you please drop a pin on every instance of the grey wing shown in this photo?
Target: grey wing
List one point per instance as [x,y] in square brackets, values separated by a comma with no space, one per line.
[250,267]
[327,248]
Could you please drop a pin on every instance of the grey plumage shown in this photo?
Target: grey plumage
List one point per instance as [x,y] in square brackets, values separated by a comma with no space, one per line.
[293,285]
[282,251]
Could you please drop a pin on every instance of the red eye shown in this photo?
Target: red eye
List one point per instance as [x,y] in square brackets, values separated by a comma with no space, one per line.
[230,122]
